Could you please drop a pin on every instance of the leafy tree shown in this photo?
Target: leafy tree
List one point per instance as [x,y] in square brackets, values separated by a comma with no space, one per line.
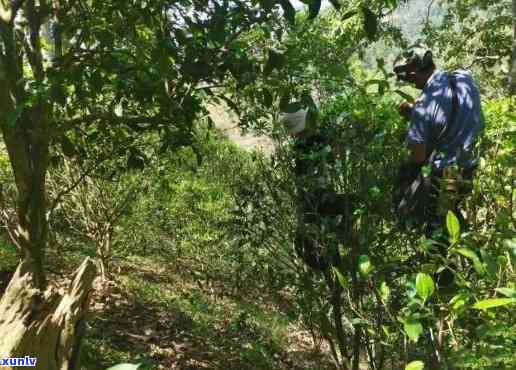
[513,65]
[476,35]
[110,67]
[93,207]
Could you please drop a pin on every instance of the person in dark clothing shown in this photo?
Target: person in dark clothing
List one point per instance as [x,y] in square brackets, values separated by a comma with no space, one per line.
[315,153]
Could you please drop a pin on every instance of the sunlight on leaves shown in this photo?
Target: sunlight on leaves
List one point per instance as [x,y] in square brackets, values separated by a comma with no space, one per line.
[424,285]
[453,226]
[125,367]
[364,265]
[415,365]
[385,292]
[508,292]
[493,302]
[413,328]
[470,254]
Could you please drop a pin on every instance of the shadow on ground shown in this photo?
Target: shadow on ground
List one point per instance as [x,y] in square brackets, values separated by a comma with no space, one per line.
[147,322]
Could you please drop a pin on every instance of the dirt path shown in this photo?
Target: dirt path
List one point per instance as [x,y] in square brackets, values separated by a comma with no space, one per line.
[227,123]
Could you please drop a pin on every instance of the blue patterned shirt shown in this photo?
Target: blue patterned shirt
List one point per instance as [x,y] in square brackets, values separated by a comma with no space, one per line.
[432,111]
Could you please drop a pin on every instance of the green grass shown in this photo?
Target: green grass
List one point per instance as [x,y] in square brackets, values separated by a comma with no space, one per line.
[162,317]
[8,256]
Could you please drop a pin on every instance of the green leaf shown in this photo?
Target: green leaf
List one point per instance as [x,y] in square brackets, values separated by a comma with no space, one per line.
[370,23]
[493,302]
[359,322]
[313,8]
[470,254]
[413,328]
[458,301]
[125,367]
[510,244]
[349,14]
[365,267]
[426,170]
[489,262]
[385,292]
[508,292]
[288,11]
[453,226]
[342,280]
[424,286]
[415,365]
[374,81]
[386,331]
[404,95]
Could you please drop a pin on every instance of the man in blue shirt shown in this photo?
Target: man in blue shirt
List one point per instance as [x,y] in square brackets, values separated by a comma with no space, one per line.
[445,122]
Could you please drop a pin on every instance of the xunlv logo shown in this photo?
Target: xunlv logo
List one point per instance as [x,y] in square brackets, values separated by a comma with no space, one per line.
[22,361]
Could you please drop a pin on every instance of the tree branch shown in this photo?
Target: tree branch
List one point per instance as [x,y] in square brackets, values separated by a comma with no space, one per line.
[76,183]
[10,229]
[430,4]
[131,121]
[33,47]
[482,59]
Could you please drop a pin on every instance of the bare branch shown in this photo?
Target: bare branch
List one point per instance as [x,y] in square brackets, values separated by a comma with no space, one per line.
[7,220]
[430,4]
[76,183]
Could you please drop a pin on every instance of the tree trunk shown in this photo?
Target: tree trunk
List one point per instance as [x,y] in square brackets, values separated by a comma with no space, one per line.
[512,76]
[44,325]
[26,132]
[34,321]
[104,252]
[40,323]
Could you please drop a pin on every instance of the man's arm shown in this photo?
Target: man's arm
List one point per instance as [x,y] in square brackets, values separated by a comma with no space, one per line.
[405,110]
[417,134]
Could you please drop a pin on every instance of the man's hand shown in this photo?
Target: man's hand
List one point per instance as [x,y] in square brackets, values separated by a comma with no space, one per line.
[405,109]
